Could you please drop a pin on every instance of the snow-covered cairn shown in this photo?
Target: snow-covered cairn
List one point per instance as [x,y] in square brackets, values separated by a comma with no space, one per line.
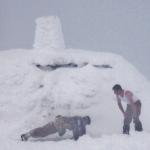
[48,33]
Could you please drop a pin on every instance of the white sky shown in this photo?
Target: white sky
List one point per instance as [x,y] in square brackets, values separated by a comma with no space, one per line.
[121,26]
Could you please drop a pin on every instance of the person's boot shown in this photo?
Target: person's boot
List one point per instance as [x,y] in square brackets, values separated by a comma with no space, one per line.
[126,129]
[138,126]
[24,137]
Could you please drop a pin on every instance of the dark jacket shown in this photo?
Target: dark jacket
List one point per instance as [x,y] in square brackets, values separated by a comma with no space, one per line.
[75,124]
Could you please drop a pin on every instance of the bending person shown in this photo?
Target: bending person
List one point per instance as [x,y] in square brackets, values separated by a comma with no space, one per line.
[133,109]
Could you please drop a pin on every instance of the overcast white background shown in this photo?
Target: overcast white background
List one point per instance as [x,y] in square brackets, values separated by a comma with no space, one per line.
[120,26]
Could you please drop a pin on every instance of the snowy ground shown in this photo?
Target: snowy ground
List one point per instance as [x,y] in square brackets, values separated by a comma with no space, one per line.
[31,96]
[137,141]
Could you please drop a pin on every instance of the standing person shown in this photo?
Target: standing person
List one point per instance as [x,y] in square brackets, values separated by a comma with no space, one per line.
[133,109]
[76,124]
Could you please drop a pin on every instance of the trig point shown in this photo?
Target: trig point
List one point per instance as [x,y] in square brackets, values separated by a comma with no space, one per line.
[48,33]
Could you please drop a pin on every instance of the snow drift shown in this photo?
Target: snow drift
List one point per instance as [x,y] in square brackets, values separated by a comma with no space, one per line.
[31,96]
[37,85]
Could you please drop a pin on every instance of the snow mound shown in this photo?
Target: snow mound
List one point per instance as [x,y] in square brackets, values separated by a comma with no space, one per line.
[31,96]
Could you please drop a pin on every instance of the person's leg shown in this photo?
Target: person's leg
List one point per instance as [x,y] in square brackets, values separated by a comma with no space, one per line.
[127,120]
[39,132]
[137,122]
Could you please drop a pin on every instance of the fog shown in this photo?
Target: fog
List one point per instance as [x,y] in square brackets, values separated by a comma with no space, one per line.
[120,26]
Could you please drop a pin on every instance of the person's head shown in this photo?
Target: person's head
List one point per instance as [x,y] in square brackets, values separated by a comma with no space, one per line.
[117,89]
[87,120]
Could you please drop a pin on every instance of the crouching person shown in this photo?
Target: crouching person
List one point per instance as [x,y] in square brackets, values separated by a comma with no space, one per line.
[76,124]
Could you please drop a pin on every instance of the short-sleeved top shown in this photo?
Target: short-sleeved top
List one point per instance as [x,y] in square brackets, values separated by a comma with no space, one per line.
[126,95]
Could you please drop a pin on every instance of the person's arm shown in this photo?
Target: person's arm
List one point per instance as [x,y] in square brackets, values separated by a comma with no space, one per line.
[75,130]
[120,105]
[83,130]
[75,133]
[82,127]
[61,131]
[59,125]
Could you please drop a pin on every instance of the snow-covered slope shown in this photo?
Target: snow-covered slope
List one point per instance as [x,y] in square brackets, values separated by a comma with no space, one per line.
[37,85]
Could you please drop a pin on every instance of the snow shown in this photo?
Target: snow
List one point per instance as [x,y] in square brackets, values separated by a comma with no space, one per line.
[48,33]
[31,97]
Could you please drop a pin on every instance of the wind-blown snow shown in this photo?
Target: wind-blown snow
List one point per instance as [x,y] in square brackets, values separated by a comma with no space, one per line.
[30,97]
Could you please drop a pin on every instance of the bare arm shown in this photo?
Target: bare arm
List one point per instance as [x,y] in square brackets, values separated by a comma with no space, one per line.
[120,105]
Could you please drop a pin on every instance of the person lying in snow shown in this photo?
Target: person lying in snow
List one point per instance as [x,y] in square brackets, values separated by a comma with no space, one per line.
[133,109]
[76,124]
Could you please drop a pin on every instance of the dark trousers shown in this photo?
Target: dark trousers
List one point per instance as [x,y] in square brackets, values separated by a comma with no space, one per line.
[43,131]
[132,115]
